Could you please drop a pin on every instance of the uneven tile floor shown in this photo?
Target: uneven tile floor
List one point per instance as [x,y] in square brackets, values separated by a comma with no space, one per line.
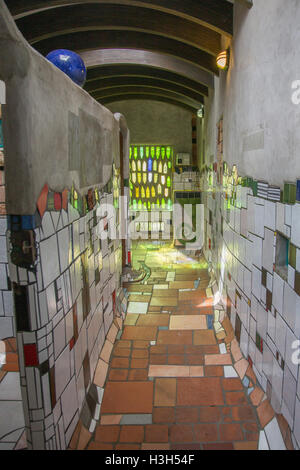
[170,382]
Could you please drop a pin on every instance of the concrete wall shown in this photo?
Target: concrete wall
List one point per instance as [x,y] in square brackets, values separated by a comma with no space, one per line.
[48,112]
[153,122]
[260,121]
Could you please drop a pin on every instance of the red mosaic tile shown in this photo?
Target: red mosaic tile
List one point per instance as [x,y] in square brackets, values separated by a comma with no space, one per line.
[30,355]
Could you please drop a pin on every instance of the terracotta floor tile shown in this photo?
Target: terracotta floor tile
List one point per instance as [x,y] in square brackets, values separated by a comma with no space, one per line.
[163,415]
[163,301]
[194,359]
[251,430]
[168,371]
[176,348]
[209,414]
[100,373]
[123,344]
[110,419]
[131,319]
[165,392]
[127,397]
[175,337]
[140,354]
[158,349]
[219,446]
[187,415]
[256,396]
[118,374]
[176,359]
[127,447]
[156,433]
[112,333]
[140,344]
[84,438]
[106,351]
[232,385]
[165,292]
[196,371]
[181,285]
[206,432]
[236,398]
[120,363]
[246,445]
[107,433]
[231,432]
[199,392]
[243,413]
[181,433]
[187,322]
[153,320]
[187,446]
[241,367]
[265,413]
[121,352]
[155,446]
[213,371]
[132,434]
[217,359]
[99,446]
[139,363]
[205,337]
[138,374]
[158,359]
[140,333]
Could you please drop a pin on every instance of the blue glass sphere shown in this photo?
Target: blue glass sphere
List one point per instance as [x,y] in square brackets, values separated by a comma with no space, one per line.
[70,63]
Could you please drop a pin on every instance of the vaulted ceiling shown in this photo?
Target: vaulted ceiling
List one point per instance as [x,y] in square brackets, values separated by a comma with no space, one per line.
[134,49]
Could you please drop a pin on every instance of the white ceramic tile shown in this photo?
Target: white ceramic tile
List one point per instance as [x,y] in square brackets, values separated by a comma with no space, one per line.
[289,306]
[295,232]
[62,371]
[69,402]
[274,436]
[280,334]
[267,259]
[63,245]
[280,225]
[137,307]
[12,416]
[270,215]
[278,285]
[229,372]
[289,390]
[49,259]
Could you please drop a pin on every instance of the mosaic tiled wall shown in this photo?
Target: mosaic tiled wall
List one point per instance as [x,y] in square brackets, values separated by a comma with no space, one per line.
[7,328]
[66,284]
[253,243]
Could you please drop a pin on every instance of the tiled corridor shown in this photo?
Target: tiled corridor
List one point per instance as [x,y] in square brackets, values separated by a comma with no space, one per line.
[171,383]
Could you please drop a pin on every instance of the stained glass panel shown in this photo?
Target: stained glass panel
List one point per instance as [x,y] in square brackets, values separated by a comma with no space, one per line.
[151,165]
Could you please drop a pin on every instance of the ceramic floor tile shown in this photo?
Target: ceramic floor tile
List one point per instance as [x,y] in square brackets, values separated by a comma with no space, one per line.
[187,322]
[165,392]
[175,337]
[139,332]
[137,307]
[158,301]
[205,337]
[199,392]
[153,320]
[131,319]
[127,397]
[168,371]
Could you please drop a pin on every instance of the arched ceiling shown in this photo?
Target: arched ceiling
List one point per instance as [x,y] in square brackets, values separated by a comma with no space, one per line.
[171,45]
